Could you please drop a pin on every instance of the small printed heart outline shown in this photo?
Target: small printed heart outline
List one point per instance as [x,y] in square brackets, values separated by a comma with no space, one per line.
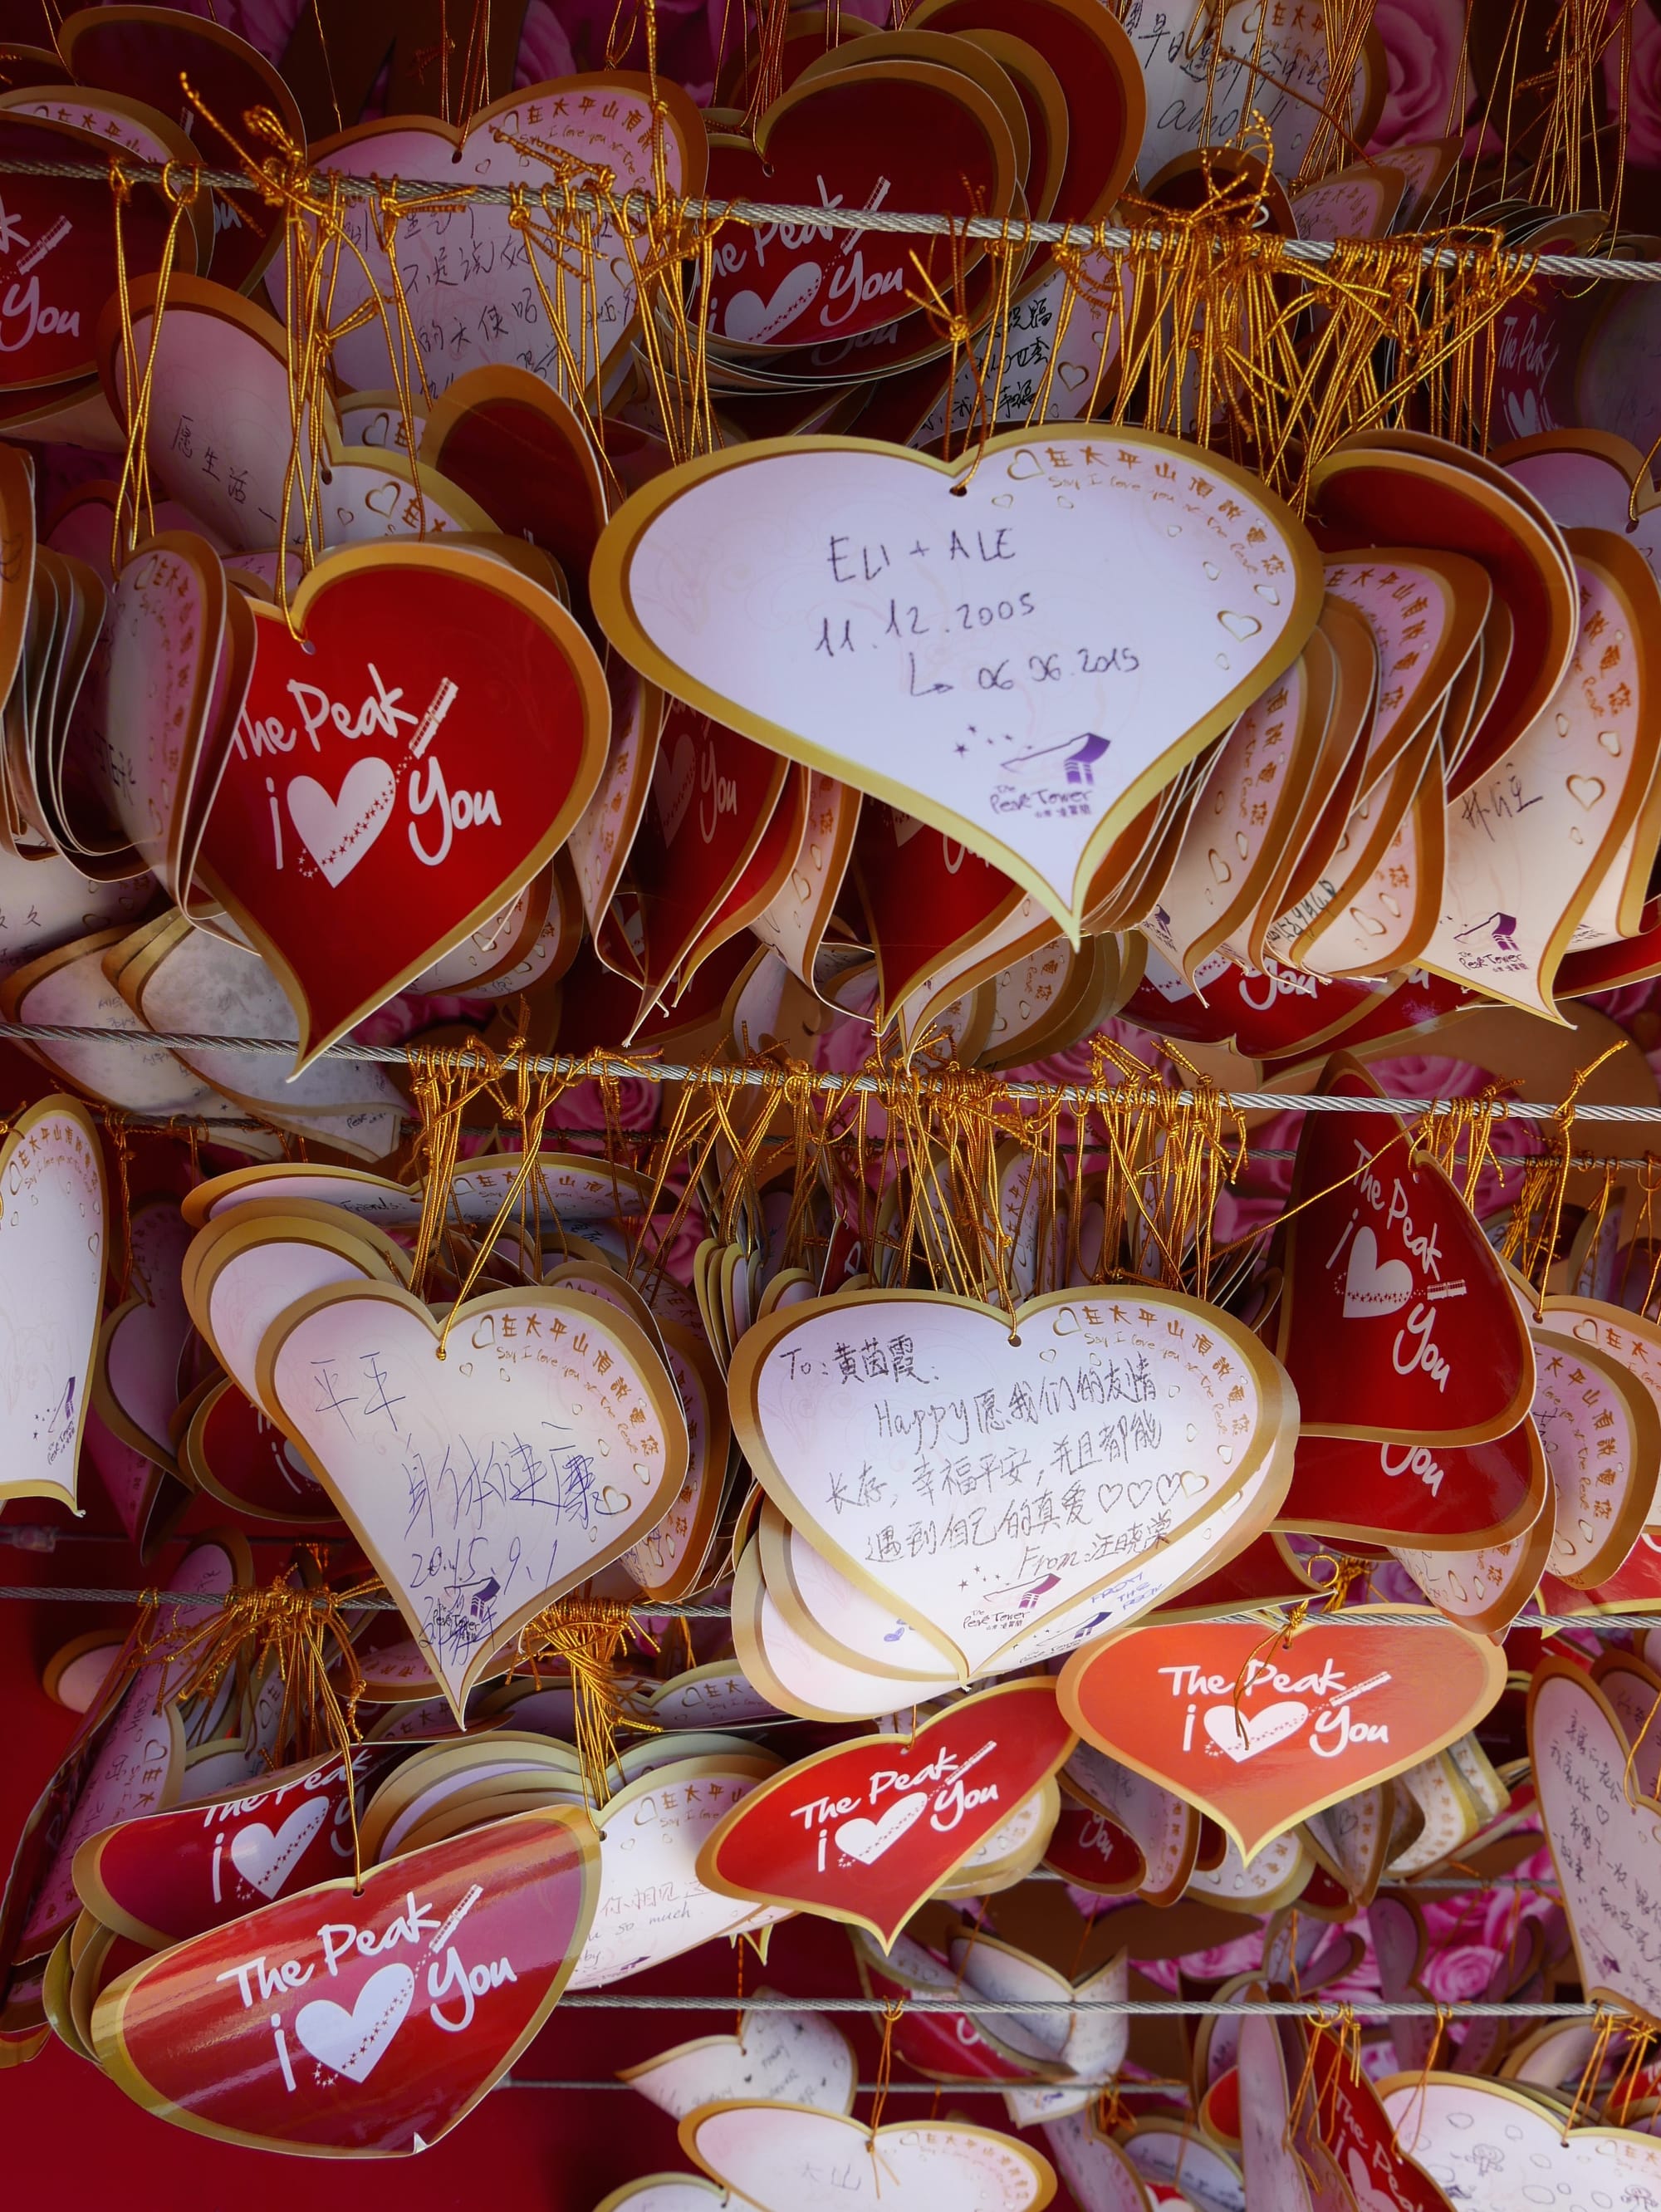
[866,1840]
[341,2040]
[264,1858]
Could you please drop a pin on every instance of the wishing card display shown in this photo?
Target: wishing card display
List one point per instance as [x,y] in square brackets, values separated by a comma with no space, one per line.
[1021,665]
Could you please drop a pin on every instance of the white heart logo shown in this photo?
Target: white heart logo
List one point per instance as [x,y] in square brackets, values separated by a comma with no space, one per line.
[1371,1289]
[1243,1735]
[338,832]
[752,320]
[674,778]
[867,1840]
[354,2043]
[263,1860]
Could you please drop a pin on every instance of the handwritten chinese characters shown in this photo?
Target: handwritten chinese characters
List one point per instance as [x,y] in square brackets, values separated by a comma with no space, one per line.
[984,1483]
[544,1444]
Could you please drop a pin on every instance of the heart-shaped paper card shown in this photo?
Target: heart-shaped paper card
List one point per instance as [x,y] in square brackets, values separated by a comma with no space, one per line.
[1022,664]
[57,259]
[1458,1500]
[465,276]
[361,2024]
[52,1287]
[1490,2143]
[1350,1703]
[485,1483]
[908,132]
[789,2158]
[1113,1415]
[653,1904]
[1397,1322]
[865,1832]
[1606,1836]
[779,2057]
[177,1874]
[372,813]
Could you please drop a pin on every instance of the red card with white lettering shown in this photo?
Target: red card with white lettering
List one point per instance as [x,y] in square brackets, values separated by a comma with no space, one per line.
[362,2027]
[1348,1702]
[865,1832]
[1461,1499]
[711,798]
[176,1875]
[400,770]
[1397,1322]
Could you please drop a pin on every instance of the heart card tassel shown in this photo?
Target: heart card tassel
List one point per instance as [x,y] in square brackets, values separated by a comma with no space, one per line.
[588,1636]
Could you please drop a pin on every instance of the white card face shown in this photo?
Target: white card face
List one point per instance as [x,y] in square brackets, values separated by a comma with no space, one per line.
[653,1905]
[1210,2181]
[48,902]
[777,2057]
[782,2160]
[249,1292]
[471,296]
[1012,664]
[52,1287]
[1484,2144]
[487,1483]
[1097,2173]
[982,1485]
[1528,844]
[222,432]
[1607,1848]
[1274,68]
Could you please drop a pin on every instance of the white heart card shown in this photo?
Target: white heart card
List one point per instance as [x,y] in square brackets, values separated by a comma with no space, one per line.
[1020,654]
[486,1478]
[52,1287]
[980,1479]
[776,2058]
[788,2158]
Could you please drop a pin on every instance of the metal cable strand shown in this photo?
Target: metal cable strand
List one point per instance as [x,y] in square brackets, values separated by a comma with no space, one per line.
[1132,2007]
[567,1064]
[1019,231]
[1263,1616]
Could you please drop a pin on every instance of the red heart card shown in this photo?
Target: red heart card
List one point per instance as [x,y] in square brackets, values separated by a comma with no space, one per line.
[400,771]
[176,1875]
[1396,1322]
[237,1454]
[905,135]
[1449,1500]
[361,2025]
[865,1832]
[927,899]
[712,797]
[1348,1703]
[142,52]
[58,263]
